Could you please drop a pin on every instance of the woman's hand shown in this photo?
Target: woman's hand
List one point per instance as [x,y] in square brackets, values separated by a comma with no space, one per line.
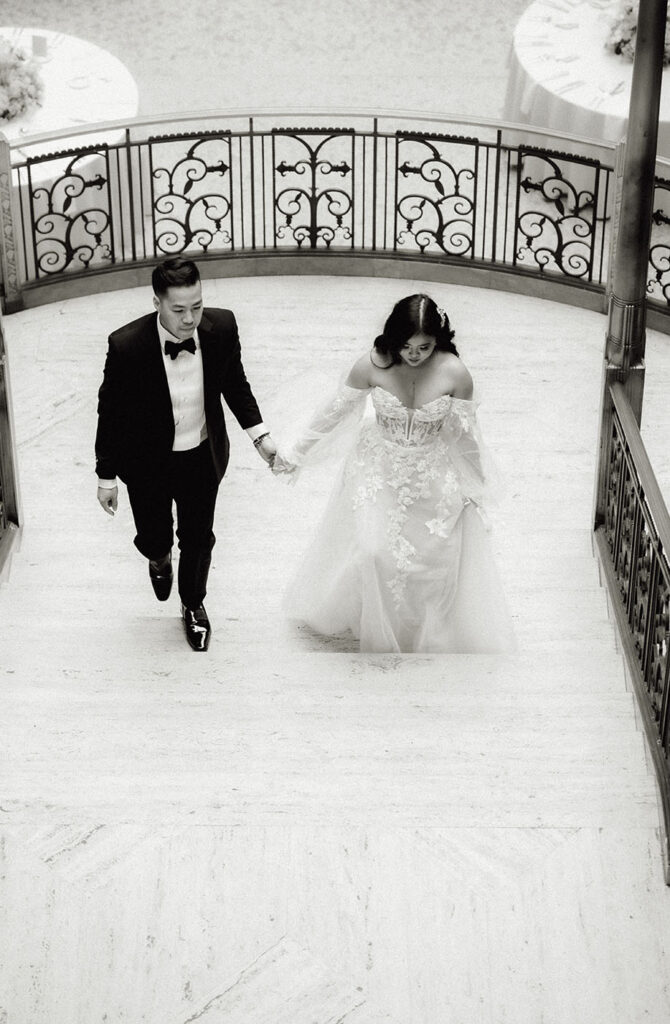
[282,465]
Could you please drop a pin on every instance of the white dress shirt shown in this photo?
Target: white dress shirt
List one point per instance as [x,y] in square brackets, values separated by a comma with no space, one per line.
[187,392]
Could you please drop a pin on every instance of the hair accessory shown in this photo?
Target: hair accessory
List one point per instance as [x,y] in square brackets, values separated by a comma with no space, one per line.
[443,316]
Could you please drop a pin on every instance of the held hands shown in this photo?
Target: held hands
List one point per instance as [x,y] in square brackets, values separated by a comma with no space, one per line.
[109,499]
[282,465]
[267,450]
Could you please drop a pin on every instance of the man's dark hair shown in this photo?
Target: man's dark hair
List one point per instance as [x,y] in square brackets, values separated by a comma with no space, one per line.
[174,273]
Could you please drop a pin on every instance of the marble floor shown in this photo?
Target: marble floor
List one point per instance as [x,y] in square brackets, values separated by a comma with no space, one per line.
[297,54]
[285,830]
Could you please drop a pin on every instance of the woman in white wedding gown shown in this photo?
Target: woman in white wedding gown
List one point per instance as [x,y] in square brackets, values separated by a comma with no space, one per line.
[402,558]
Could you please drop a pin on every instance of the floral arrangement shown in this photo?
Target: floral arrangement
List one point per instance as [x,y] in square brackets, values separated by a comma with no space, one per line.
[621,39]
[21,86]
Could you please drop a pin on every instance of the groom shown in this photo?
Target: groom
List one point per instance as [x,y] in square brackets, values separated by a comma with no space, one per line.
[161,429]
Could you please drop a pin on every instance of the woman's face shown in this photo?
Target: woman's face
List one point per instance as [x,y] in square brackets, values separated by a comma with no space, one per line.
[417,349]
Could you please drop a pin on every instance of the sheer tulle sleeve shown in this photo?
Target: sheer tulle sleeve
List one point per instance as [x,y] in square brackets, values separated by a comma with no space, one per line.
[331,431]
[479,476]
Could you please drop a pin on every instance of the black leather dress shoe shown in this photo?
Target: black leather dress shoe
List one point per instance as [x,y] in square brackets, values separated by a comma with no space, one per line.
[198,629]
[160,573]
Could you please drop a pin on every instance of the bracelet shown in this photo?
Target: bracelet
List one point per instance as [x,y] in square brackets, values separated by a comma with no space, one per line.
[258,440]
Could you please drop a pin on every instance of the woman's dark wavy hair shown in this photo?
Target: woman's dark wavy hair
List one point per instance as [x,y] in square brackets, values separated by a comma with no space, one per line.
[415,314]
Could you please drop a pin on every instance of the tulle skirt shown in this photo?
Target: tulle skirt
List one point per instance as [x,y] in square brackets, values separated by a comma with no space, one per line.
[402,560]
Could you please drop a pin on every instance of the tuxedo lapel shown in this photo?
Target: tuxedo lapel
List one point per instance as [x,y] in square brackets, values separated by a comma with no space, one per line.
[153,366]
[208,348]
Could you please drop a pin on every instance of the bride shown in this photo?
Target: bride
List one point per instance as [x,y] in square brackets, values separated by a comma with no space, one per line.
[402,558]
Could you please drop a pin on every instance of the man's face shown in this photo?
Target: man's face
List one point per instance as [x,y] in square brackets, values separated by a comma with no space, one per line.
[180,309]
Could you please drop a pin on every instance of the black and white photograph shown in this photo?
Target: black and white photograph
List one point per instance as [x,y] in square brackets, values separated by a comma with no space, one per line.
[334,529]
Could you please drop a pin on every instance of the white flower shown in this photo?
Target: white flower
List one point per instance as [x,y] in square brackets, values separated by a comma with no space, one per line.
[438,527]
[621,39]
[21,87]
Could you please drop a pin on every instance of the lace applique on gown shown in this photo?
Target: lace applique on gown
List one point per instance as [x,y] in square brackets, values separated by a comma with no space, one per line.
[402,558]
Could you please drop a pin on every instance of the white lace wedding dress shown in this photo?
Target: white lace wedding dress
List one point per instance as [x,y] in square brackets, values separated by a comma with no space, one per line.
[402,558]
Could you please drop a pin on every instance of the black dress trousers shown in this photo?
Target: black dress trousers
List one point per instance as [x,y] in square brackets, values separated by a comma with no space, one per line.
[190,484]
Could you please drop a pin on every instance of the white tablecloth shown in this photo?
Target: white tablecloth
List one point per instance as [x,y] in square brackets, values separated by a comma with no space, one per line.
[83,84]
[562,77]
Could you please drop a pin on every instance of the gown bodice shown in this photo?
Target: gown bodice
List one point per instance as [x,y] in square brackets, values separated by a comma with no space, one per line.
[409,428]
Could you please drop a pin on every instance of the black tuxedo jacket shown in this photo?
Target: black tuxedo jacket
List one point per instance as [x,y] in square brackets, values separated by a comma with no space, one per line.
[135,419]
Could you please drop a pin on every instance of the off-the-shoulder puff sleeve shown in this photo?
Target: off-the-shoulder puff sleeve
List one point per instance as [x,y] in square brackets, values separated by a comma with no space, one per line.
[478,474]
[331,431]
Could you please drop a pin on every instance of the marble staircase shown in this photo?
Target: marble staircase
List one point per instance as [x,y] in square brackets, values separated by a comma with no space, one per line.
[286,831]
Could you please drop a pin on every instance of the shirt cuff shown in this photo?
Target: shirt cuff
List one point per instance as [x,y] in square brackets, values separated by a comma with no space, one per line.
[256,431]
[107,483]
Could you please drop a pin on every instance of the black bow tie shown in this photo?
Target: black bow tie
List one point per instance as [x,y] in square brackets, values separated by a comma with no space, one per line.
[173,348]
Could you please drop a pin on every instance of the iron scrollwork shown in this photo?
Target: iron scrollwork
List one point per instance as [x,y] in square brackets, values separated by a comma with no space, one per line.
[192,193]
[628,499]
[72,231]
[311,211]
[641,597]
[436,193]
[614,475]
[555,215]
[657,608]
[641,569]
[658,285]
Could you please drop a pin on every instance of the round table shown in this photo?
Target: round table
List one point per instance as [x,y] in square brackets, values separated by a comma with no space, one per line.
[563,78]
[83,84]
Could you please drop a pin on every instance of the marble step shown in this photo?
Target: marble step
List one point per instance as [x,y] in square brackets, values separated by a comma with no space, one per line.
[152,647]
[386,692]
[264,798]
[238,727]
[53,659]
[550,617]
[283,730]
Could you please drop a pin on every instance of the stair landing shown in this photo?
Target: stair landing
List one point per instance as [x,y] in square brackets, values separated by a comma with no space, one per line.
[285,830]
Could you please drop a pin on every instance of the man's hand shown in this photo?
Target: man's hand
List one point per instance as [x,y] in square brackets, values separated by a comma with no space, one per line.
[109,499]
[267,450]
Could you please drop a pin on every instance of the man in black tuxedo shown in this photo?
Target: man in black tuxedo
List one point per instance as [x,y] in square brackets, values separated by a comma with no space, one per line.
[161,429]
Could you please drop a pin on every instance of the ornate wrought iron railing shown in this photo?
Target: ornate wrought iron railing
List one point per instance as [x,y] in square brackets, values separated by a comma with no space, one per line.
[634,547]
[9,498]
[452,193]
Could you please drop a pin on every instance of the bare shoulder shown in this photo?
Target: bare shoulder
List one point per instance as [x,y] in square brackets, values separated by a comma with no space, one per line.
[456,376]
[360,374]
